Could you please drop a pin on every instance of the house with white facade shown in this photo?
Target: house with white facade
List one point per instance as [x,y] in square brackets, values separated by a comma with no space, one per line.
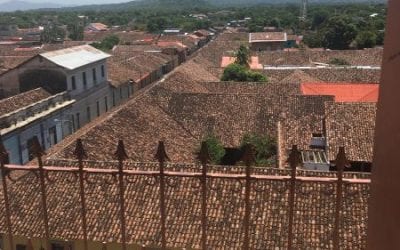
[32,113]
[80,71]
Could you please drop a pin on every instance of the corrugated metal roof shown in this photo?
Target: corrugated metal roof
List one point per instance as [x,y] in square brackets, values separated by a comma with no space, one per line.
[75,57]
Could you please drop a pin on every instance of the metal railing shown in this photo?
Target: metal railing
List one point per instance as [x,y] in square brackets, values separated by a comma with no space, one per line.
[120,176]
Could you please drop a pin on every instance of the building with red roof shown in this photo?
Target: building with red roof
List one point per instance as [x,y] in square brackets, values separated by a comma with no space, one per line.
[343,92]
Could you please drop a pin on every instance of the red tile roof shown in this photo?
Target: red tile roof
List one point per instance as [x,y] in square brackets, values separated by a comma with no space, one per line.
[343,92]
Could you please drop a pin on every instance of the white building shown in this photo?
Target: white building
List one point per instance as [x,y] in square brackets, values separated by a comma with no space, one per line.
[79,71]
[32,113]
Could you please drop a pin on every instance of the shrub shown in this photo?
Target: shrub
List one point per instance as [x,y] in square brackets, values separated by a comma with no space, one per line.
[264,145]
[339,62]
[239,73]
[215,148]
[107,43]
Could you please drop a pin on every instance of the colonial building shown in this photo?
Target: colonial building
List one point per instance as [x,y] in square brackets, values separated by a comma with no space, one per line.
[79,71]
[267,41]
[30,114]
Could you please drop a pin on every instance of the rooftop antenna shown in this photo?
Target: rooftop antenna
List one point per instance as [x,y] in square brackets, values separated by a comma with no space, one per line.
[303,10]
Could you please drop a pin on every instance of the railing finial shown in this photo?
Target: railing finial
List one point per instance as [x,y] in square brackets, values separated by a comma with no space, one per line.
[36,148]
[4,157]
[120,154]
[341,160]
[294,159]
[80,152]
[161,155]
[204,155]
[249,155]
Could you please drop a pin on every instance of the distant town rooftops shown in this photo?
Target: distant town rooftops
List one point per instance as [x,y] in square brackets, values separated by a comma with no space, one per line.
[75,57]
[267,37]
[343,92]
[97,27]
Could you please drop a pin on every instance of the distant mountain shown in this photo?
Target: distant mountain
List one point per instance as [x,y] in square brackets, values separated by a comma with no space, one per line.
[23,5]
[182,4]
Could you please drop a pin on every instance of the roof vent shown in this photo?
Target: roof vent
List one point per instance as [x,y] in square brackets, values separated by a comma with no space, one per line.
[318,141]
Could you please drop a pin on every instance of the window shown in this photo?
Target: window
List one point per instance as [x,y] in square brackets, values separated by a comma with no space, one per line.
[94,75]
[61,246]
[103,73]
[84,80]
[78,122]
[55,246]
[73,124]
[106,103]
[29,145]
[88,113]
[113,100]
[53,135]
[98,108]
[20,247]
[73,82]
[120,93]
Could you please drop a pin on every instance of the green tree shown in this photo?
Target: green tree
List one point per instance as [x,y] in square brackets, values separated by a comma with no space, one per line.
[264,146]
[235,72]
[215,148]
[107,43]
[243,56]
[366,39]
[239,73]
[339,33]
[52,33]
[75,32]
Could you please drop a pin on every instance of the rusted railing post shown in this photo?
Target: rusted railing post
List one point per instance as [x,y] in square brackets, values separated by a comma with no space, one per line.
[204,158]
[121,155]
[4,159]
[38,152]
[294,161]
[341,162]
[248,158]
[80,154]
[162,157]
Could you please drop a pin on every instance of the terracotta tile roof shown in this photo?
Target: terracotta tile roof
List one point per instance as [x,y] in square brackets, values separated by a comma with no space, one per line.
[343,92]
[254,63]
[98,26]
[313,219]
[351,125]
[19,101]
[137,121]
[134,65]
[329,75]
[366,57]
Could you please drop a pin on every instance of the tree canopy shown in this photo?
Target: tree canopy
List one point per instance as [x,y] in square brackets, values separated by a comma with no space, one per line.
[264,146]
[239,73]
[215,148]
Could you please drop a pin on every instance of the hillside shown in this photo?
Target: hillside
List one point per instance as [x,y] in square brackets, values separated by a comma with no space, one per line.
[191,4]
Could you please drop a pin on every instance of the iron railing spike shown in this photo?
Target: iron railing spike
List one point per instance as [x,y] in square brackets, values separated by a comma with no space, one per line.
[79,151]
[161,154]
[121,154]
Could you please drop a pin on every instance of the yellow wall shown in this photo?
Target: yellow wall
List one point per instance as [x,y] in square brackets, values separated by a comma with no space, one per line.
[77,245]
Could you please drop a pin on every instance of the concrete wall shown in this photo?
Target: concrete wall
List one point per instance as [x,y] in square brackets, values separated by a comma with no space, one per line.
[267,46]
[39,243]
[16,142]
[384,207]
[90,82]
